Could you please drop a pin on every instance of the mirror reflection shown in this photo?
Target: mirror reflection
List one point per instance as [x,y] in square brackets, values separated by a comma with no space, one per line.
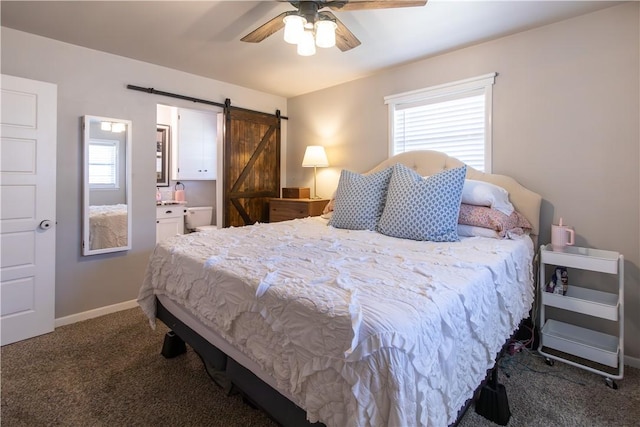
[163,136]
[107,190]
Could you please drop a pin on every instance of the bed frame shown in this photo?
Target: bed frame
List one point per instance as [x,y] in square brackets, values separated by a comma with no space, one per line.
[234,376]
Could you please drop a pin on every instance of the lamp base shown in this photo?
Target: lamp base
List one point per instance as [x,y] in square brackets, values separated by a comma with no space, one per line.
[315,188]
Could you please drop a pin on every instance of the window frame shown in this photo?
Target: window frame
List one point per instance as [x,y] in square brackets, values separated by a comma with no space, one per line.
[444,92]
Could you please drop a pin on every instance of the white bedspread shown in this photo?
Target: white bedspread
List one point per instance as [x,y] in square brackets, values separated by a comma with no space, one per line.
[359,328]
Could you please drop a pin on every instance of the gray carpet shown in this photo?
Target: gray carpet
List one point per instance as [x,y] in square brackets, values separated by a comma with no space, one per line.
[108,371]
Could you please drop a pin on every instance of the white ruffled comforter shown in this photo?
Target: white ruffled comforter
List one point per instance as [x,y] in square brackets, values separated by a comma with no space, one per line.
[359,328]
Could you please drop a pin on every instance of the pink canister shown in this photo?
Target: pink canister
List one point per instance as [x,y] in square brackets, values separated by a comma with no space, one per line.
[561,236]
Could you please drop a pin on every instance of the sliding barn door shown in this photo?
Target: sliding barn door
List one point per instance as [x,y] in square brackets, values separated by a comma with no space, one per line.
[251,166]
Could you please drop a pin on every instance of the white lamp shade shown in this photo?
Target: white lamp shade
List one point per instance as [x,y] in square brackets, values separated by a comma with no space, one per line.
[326,34]
[293,28]
[306,45]
[315,156]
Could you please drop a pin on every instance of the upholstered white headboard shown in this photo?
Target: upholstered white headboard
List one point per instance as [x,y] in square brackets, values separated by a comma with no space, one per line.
[428,162]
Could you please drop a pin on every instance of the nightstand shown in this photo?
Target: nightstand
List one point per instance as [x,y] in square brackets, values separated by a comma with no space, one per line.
[285,209]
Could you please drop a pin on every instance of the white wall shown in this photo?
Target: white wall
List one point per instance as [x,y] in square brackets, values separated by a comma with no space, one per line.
[565,124]
[94,83]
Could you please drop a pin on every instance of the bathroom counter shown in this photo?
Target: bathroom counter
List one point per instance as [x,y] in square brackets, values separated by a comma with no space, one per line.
[170,202]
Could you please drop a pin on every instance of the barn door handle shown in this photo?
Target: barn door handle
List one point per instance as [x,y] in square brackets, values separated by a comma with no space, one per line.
[45,224]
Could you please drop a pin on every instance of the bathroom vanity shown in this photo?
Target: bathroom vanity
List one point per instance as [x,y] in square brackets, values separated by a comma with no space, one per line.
[169,220]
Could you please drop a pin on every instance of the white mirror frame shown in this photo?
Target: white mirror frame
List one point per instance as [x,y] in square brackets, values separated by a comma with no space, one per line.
[106,217]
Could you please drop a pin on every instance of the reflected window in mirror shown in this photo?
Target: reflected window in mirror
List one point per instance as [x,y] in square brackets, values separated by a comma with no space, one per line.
[103,164]
[107,189]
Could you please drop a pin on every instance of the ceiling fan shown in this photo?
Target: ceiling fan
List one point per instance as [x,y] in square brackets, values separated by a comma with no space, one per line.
[309,25]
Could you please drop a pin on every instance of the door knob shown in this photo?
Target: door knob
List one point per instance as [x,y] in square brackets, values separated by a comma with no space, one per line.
[46,224]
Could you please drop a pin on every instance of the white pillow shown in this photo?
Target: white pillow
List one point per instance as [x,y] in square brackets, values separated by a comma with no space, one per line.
[480,193]
[473,231]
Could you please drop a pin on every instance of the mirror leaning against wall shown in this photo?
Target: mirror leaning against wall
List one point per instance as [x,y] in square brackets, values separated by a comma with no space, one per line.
[106,203]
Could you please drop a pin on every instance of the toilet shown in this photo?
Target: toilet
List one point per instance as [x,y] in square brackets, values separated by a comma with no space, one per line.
[199,218]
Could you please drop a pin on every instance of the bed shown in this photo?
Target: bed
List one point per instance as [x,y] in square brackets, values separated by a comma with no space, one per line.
[315,322]
[108,226]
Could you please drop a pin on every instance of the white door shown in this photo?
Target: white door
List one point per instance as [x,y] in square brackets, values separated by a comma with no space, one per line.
[28,207]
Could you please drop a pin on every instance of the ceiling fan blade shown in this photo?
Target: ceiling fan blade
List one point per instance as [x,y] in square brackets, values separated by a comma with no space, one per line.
[265,30]
[374,4]
[345,39]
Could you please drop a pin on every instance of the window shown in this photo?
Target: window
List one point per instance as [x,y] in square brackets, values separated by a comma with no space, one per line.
[454,118]
[103,163]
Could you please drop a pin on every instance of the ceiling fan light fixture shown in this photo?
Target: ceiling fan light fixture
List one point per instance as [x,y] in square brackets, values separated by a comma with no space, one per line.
[293,28]
[326,33]
[307,45]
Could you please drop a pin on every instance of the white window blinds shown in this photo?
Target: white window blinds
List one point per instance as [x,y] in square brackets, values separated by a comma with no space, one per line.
[452,118]
[103,164]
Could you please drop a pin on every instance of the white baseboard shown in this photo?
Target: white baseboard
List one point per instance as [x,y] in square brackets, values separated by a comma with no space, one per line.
[86,315]
[634,362]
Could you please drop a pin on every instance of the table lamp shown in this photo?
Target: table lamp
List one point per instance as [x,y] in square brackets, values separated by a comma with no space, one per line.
[315,156]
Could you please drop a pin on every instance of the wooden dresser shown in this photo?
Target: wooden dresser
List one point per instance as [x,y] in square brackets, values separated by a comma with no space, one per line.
[285,209]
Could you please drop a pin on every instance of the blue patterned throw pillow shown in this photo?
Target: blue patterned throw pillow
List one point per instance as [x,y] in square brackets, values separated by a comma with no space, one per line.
[360,200]
[420,208]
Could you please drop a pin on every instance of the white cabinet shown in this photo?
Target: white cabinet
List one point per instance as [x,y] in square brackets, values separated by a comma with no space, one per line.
[169,221]
[195,148]
[589,345]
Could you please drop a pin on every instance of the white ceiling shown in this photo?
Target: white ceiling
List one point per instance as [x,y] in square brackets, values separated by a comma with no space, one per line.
[203,37]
